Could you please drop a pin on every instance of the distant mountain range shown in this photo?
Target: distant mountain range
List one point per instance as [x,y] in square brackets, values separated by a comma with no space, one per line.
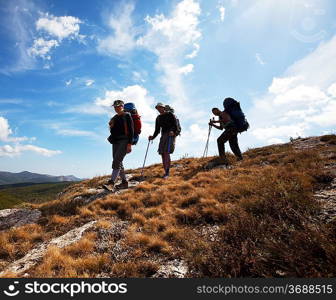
[25,176]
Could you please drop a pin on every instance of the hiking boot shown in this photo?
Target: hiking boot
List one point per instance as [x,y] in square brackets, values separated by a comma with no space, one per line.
[110,182]
[239,158]
[223,161]
[109,186]
[123,185]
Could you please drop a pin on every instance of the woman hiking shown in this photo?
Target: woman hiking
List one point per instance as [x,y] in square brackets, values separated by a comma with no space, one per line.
[166,123]
[122,131]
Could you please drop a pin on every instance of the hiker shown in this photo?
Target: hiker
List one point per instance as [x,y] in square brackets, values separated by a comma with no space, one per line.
[230,134]
[167,124]
[121,138]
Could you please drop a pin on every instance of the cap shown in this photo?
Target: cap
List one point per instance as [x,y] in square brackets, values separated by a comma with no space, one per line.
[118,103]
[159,105]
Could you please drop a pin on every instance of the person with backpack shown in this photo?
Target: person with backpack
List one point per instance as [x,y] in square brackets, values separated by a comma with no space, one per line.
[167,124]
[233,121]
[121,138]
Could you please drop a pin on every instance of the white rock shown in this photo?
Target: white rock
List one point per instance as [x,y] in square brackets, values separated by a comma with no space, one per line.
[15,217]
[35,255]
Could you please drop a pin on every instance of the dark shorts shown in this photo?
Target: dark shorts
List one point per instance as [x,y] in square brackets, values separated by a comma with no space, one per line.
[167,143]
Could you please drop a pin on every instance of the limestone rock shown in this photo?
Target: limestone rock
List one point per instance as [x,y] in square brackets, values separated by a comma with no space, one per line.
[172,269]
[16,217]
[34,256]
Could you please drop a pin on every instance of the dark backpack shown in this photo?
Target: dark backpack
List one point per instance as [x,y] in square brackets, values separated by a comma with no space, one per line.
[130,107]
[232,107]
[178,126]
[169,109]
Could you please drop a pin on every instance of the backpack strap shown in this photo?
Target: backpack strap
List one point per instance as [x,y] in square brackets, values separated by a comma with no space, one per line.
[125,124]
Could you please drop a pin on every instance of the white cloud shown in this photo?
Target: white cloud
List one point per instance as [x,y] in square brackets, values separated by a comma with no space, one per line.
[74,132]
[275,141]
[281,85]
[323,59]
[222,13]
[17,21]
[234,2]
[6,132]
[122,40]
[186,69]
[42,47]
[89,82]
[65,129]
[17,150]
[193,140]
[327,116]
[134,93]
[65,27]
[139,76]
[59,27]
[10,101]
[259,59]
[332,90]
[172,39]
[301,95]
[284,131]
[194,52]
[88,109]
[163,37]
[301,102]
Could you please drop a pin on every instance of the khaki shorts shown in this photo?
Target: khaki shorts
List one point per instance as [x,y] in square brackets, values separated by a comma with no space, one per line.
[167,143]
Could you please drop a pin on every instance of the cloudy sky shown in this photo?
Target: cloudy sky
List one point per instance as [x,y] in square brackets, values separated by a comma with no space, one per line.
[62,63]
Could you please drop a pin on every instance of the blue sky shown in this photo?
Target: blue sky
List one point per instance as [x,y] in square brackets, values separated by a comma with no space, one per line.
[62,63]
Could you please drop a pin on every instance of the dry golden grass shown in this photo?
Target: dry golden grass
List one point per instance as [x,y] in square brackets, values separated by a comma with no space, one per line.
[256,219]
[76,260]
[16,242]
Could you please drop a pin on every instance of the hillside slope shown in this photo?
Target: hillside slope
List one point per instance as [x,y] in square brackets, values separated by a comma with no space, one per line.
[25,176]
[11,195]
[271,215]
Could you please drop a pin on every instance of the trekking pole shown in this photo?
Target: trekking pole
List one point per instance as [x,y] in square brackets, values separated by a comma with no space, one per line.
[205,153]
[145,158]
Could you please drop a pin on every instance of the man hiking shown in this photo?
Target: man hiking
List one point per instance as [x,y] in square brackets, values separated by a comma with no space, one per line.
[166,123]
[122,131]
[230,134]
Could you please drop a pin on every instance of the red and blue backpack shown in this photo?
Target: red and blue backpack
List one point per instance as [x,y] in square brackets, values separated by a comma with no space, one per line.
[130,107]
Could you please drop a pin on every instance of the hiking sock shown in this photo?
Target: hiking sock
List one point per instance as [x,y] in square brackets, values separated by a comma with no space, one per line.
[115,174]
[164,160]
[122,175]
[168,162]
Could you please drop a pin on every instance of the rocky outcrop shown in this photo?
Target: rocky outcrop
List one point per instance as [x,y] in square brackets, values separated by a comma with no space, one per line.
[15,217]
[172,269]
[91,194]
[34,256]
[306,143]
[88,196]
[327,200]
